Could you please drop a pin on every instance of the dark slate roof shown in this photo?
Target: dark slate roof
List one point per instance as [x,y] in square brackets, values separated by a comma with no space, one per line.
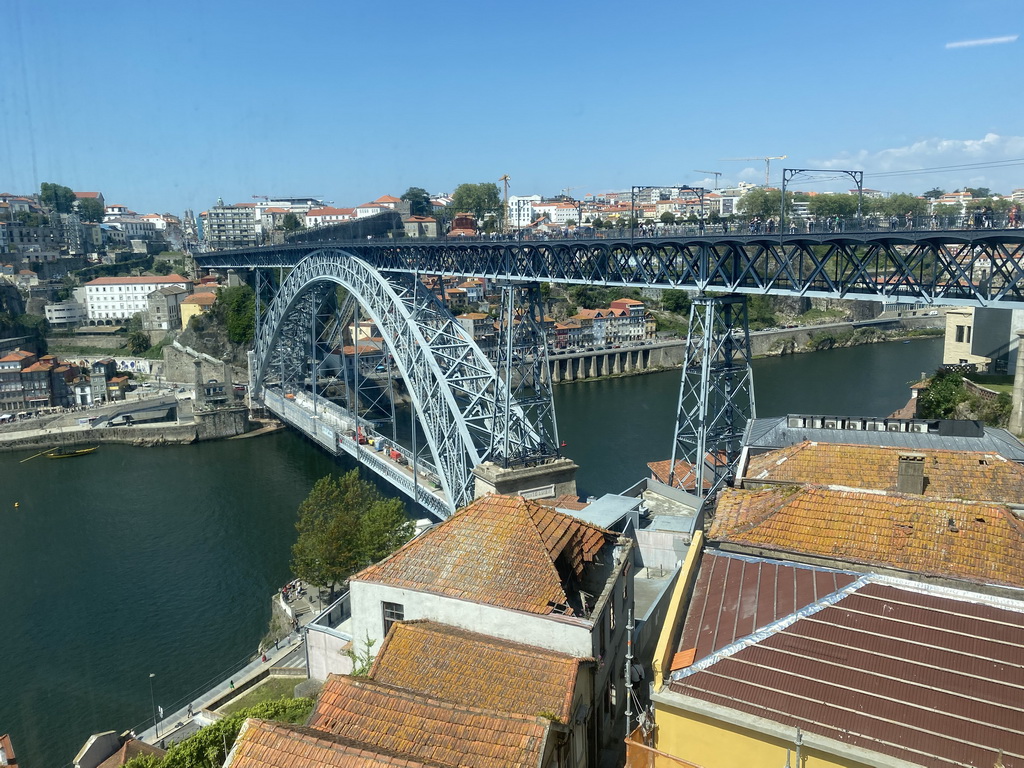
[932,677]
[774,432]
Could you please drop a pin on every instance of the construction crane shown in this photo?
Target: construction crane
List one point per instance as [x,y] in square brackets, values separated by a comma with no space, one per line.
[567,190]
[716,175]
[505,179]
[261,197]
[767,163]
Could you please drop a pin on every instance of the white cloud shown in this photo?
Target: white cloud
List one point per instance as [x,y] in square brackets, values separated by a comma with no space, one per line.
[983,41]
[940,162]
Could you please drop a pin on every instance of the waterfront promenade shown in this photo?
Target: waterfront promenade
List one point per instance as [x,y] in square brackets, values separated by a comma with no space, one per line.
[286,657]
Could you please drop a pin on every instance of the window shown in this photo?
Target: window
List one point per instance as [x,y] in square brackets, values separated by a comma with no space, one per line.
[392,612]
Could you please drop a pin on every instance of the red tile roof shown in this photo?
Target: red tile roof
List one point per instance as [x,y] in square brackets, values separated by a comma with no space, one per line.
[264,744]
[976,541]
[129,750]
[932,678]
[973,475]
[499,550]
[383,716]
[436,660]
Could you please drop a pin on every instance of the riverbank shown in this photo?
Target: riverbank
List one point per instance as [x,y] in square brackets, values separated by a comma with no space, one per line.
[64,430]
[665,355]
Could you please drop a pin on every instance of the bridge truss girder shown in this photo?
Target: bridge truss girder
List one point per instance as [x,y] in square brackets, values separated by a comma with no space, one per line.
[934,267]
[456,392]
[716,395]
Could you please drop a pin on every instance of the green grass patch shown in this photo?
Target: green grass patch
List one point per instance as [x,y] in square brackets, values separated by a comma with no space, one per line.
[271,689]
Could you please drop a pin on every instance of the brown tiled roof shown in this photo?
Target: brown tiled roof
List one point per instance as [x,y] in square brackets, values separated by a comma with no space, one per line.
[567,501]
[263,744]
[932,678]
[735,596]
[499,550]
[972,475]
[383,716]
[436,660]
[131,749]
[976,541]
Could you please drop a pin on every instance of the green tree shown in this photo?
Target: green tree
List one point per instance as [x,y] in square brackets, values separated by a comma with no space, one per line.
[344,525]
[764,202]
[668,218]
[760,312]
[945,392]
[899,204]
[29,219]
[419,201]
[979,191]
[825,206]
[56,197]
[478,199]
[675,301]
[934,193]
[138,342]
[209,746]
[290,222]
[236,309]
[90,209]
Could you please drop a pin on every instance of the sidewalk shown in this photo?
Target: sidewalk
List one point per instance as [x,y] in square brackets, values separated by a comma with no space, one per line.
[180,725]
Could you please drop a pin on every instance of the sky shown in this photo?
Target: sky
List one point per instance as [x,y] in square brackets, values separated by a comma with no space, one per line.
[168,106]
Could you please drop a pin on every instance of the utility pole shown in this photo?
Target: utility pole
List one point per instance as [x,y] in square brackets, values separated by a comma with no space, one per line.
[504,221]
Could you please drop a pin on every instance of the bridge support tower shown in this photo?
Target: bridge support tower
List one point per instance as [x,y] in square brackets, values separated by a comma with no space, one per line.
[716,398]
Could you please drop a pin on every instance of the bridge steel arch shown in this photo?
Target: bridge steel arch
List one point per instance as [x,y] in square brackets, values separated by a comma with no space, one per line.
[456,391]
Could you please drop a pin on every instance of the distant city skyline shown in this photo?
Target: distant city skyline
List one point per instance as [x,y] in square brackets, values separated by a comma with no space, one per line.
[168,108]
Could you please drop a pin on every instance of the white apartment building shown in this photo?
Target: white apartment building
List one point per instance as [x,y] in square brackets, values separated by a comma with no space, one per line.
[65,313]
[111,300]
[319,217]
[558,212]
[520,209]
[231,226]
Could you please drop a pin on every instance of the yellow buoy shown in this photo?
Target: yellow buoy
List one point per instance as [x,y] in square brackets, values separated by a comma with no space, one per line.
[16,505]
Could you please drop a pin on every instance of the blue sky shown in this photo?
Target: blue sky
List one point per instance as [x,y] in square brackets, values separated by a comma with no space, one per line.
[163,106]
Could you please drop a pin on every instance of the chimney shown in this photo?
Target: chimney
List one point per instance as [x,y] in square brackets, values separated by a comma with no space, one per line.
[910,478]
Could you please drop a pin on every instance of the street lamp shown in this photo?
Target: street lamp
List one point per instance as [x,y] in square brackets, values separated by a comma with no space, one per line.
[152,700]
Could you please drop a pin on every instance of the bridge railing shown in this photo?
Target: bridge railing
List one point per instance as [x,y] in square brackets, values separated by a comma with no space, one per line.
[334,429]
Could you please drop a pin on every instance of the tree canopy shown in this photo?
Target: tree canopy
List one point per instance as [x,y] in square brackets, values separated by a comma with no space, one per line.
[478,199]
[90,209]
[764,202]
[344,525]
[419,201]
[945,392]
[236,308]
[290,222]
[56,197]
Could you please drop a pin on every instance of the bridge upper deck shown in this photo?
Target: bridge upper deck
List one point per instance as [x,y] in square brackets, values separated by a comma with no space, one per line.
[983,267]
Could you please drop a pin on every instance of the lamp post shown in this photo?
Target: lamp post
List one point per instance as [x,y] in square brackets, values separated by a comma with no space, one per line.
[152,700]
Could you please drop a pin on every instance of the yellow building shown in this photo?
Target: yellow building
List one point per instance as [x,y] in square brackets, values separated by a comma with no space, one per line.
[196,304]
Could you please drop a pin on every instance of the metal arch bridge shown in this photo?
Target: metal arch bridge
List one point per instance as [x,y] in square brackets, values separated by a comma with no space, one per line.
[968,267]
[467,412]
[466,407]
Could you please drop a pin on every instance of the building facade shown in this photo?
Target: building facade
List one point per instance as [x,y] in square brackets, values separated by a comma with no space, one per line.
[111,300]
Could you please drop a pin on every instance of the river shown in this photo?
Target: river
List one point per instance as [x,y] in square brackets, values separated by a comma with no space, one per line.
[161,560]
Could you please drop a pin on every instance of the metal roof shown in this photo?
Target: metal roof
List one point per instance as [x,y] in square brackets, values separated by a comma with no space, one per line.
[775,432]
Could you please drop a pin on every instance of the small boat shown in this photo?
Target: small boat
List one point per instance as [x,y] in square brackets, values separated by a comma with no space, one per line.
[69,453]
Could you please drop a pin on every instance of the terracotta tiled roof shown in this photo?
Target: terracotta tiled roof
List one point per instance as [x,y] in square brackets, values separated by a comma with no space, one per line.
[383,716]
[131,749]
[436,660]
[976,476]
[685,474]
[930,678]
[568,501]
[975,541]
[500,550]
[203,298]
[263,744]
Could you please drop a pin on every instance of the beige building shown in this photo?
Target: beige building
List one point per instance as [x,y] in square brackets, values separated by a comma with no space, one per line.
[956,350]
